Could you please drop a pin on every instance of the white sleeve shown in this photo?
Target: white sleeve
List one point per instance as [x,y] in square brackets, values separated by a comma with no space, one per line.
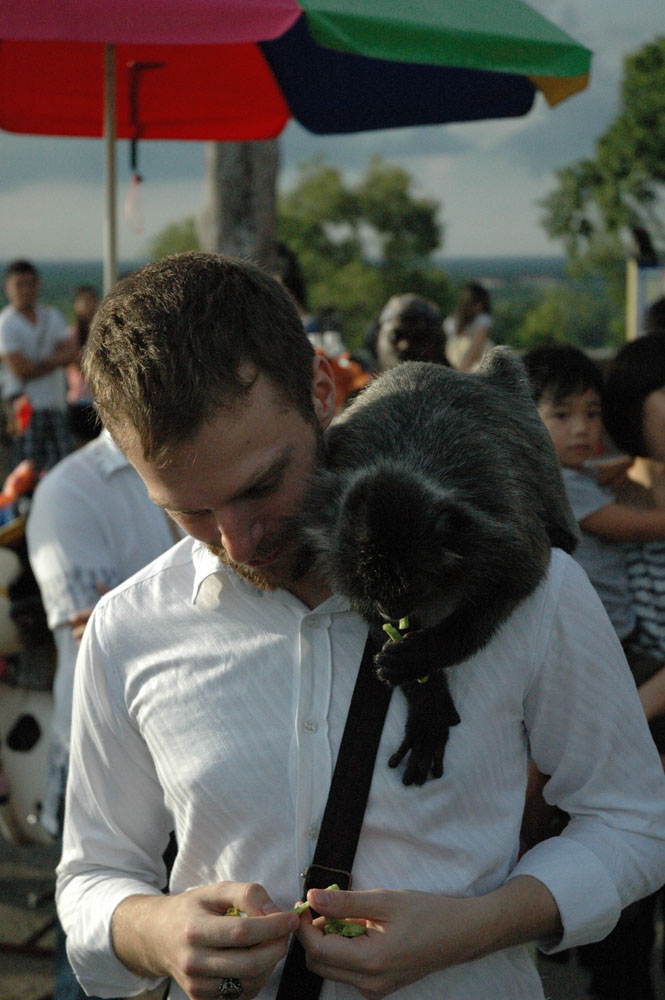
[70,550]
[58,325]
[588,732]
[11,340]
[116,823]
[67,648]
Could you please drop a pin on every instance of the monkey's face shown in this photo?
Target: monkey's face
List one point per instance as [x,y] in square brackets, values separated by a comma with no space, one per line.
[391,557]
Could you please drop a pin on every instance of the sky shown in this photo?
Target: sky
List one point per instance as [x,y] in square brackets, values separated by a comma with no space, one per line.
[487,176]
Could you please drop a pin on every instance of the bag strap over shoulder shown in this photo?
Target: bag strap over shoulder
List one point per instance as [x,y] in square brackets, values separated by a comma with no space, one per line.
[344,812]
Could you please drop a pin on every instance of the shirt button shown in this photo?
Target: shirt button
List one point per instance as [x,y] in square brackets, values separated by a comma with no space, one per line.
[313,622]
[310,726]
[312,831]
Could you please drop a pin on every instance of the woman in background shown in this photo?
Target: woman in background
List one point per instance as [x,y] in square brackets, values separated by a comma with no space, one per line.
[82,417]
[467,329]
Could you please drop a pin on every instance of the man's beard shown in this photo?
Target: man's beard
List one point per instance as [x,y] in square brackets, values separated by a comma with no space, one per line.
[289,567]
[295,558]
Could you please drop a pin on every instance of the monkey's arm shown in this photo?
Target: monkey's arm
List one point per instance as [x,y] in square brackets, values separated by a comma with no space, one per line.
[430,714]
[431,711]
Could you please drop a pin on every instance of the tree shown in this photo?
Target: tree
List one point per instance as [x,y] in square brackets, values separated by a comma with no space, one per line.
[359,244]
[356,244]
[176,238]
[611,206]
[565,313]
[238,214]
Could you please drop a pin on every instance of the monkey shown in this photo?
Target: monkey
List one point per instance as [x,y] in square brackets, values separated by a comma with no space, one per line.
[439,501]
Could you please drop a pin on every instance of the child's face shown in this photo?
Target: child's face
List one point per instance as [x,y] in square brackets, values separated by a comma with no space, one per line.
[574,424]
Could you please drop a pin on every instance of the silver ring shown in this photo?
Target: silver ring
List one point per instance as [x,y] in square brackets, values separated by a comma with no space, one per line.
[229,987]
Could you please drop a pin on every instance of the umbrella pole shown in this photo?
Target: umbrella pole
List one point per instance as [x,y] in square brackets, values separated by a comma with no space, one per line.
[110,249]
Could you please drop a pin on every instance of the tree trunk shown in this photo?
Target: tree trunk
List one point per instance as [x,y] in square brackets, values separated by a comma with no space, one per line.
[238,217]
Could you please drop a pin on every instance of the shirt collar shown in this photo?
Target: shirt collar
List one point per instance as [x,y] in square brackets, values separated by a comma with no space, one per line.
[109,456]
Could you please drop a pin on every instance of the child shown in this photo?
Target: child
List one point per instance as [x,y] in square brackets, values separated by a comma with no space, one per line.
[567,388]
[634,416]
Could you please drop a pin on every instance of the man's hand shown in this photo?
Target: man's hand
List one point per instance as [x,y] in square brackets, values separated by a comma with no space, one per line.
[189,937]
[412,934]
[64,352]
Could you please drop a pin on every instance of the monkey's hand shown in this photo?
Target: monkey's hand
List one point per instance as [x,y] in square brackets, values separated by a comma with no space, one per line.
[411,658]
[430,715]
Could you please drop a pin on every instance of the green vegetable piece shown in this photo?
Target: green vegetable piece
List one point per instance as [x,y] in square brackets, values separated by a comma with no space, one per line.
[332,926]
[397,637]
[391,631]
[344,928]
[301,907]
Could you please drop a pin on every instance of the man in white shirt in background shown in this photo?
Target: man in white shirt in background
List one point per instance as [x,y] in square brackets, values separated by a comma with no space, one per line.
[91,525]
[213,687]
[35,347]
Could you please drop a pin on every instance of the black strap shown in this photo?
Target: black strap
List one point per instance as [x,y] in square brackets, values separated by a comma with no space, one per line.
[345,808]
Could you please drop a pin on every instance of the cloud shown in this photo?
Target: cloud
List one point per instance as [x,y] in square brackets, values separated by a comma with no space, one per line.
[64,219]
[558,136]
[28,159]
[355,150]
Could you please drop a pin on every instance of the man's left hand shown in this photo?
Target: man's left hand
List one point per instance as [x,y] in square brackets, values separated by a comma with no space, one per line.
[412,934]
[403,942]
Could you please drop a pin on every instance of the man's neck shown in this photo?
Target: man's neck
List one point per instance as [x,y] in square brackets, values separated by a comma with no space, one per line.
[311,590]
[28,312]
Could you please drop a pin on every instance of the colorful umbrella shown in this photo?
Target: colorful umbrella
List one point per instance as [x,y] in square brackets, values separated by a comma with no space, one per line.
[241,69]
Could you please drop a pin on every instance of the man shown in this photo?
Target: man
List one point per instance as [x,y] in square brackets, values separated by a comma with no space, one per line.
[34,347]
[212,690]
[410,329]
[91,525]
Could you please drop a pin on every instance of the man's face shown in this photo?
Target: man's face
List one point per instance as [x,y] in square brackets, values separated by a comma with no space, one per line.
[574,424]
[238,483]
[22,290]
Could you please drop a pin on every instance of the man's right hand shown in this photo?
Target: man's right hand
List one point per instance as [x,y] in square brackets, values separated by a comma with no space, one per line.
[189,937]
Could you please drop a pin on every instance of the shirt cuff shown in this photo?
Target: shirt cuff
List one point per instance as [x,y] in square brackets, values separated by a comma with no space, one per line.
[99,970]
[587,898]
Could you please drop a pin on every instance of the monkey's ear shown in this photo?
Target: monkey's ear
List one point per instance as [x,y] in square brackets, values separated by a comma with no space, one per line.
[502,367]
[461,526]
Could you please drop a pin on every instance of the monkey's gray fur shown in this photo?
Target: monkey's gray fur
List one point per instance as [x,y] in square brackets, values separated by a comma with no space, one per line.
[441,499]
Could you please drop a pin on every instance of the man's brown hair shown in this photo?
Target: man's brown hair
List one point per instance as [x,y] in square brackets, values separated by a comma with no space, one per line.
[186,336]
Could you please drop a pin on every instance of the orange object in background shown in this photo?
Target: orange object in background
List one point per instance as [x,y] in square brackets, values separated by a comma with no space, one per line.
[349,377]
[22,410]
[19,481]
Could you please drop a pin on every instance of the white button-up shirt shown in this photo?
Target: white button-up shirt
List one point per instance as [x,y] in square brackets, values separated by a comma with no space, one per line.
[205,706]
